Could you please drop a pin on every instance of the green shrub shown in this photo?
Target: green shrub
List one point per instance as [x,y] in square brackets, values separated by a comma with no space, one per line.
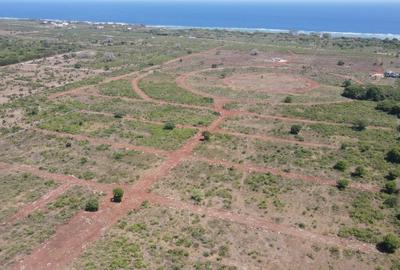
[288,99]
[119,115]
[92,205]
[389,244]
[389,106]
[118,193]
[359,172]
[340,165]
[206,135]
[169,126]
[391,187]
[360,125]
[197,195]
[393,174]
[391,201]
[342,184]
[393,155]
[346,83]
[295,129]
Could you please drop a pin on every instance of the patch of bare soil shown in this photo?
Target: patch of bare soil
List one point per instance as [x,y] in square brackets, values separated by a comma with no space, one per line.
[270,83]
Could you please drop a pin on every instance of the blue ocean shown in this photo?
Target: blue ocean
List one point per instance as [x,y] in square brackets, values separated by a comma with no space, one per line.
[381,18]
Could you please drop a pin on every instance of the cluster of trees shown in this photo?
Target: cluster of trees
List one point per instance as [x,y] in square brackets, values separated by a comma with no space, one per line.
[388,97]
[389,106]
[370,92]
[16,50]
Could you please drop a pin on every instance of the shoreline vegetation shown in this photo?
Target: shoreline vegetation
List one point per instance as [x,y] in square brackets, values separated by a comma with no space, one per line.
[334,34]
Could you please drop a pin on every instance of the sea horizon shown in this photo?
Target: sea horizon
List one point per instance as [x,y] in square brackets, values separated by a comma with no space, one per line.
[339,20]
[238,29]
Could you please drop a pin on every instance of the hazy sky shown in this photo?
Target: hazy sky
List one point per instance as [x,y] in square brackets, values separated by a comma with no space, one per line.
[231,1]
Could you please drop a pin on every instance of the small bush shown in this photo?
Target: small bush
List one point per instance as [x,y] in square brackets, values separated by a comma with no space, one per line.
[389,244]
[288,99]
[359,172]
[206,135]
[342,184]
[344,146]
[391,201]
[393,155]
[119,115]
[169,126]
[393,175]
[391,187]
[340,63]
[340,165]
[92,205]
[346,83]
[360,125]
[118,193]
[295,129]
[197,195]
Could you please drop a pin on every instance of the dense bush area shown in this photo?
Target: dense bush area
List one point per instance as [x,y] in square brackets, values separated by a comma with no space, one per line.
[387,96]
[389,106]
[371,92]
[14,50]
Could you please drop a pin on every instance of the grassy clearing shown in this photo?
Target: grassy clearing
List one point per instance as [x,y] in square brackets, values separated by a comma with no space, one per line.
[211,82]
[134,132]
[85,161]
[20,189]
[342,113]
[21,238]
[310,161]
[143,51]
[120,88]
[144,110]
[160,238]
[321,133]
[163,87]
[322,209]
[325,93]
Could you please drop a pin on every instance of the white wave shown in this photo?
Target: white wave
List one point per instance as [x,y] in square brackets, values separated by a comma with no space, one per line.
[241,29]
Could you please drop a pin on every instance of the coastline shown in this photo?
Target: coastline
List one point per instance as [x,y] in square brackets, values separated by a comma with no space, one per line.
[233,29]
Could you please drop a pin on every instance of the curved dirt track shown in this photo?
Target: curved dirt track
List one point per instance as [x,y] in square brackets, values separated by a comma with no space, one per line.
[309,84]
[71,239]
